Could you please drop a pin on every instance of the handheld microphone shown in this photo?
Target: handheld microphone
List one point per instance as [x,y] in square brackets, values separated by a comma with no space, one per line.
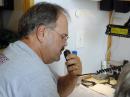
[66,53]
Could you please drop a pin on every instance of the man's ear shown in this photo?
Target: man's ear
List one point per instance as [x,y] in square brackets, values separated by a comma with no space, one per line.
[40,33]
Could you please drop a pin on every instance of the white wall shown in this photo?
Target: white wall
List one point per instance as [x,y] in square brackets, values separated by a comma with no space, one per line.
[87,33]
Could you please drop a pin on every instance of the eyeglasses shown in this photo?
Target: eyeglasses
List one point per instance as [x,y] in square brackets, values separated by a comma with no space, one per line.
[63,36]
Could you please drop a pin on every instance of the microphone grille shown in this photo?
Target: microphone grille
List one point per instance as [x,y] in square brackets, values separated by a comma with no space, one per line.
[66,52]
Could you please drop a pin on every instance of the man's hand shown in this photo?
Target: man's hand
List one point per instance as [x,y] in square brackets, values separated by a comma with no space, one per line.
[73,64]
[66,84]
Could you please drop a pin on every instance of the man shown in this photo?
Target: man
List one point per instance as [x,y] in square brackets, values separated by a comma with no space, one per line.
[43,32]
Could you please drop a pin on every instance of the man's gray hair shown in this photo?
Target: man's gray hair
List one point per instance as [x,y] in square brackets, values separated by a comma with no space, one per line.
[42,13]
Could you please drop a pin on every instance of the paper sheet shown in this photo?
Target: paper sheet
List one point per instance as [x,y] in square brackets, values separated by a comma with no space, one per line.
[104,89]
[82,91]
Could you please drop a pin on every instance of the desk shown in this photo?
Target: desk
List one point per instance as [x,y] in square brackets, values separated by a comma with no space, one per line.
[97,90]
[82,91]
